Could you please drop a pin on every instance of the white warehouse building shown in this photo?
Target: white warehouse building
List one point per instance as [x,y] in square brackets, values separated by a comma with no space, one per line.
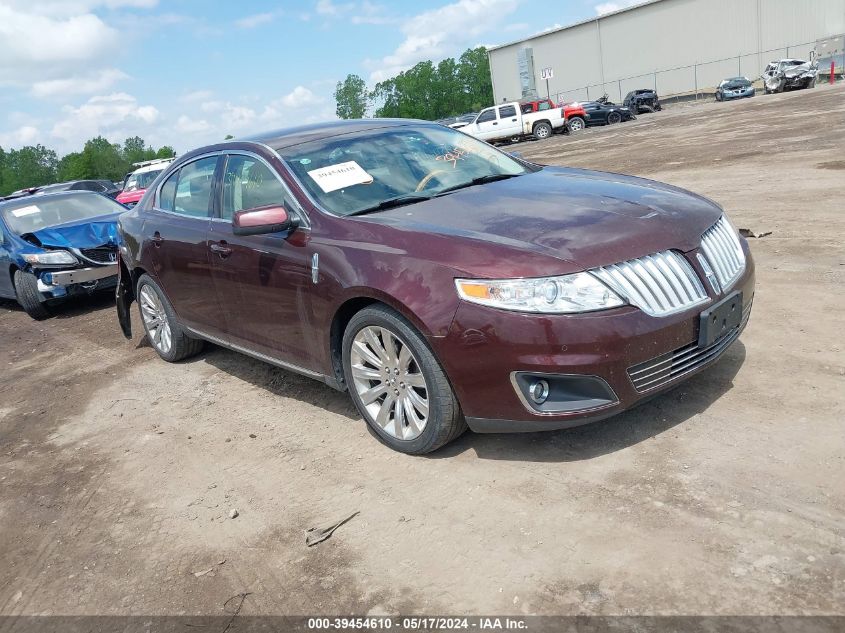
[678,47]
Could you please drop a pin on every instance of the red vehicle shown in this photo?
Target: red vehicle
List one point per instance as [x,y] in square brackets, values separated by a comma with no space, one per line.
[440,281]
[137,182]
[574,112]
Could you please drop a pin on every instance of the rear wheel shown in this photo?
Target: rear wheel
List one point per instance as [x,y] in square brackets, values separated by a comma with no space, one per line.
[397,384]
[165,334]
[614,117]
[576,124]
[28,295]
[542,130]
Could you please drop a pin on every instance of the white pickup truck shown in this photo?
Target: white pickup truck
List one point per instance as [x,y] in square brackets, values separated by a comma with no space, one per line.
[506,122]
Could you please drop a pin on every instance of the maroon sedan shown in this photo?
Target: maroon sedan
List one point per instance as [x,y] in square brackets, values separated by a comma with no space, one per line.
[440,281]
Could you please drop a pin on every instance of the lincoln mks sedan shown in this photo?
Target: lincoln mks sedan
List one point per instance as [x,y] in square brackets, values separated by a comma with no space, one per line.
[443,283]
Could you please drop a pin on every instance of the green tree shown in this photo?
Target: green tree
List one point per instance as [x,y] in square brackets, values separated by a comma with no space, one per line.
[28,166]
[71,167]
[474,76]
[165,151]
[103,159]
[352,98]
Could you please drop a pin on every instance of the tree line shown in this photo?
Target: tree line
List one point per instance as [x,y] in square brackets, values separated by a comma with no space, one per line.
[427,91]
[36,165]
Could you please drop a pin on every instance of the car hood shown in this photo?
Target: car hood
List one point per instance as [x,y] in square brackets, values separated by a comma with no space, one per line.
[585,218]
[88,233]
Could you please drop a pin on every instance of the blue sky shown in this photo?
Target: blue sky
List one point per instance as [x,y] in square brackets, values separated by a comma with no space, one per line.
[188,72]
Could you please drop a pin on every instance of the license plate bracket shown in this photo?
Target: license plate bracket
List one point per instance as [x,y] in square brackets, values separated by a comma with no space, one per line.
[719,319]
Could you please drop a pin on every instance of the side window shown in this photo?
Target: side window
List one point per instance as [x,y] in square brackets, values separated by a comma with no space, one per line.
[168,192]
[487,115]
[545,105]
[507,112]
[527,108]
[248,183]
[193,191]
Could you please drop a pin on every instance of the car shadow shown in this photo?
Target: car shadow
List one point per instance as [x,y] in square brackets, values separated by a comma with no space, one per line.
[663,412]
[71,307]
[277,381]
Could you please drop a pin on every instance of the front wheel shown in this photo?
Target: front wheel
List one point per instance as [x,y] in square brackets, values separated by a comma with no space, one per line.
[397,384]
[165,334]
[614,117]
[542,131]
[576,124]
[28,295]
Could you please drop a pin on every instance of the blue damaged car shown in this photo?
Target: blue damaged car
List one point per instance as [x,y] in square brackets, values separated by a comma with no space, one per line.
[58,245]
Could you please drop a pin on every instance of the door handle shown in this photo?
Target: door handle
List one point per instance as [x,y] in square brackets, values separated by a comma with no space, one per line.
[514,120]
[156,239]
[220,248]
[495,123]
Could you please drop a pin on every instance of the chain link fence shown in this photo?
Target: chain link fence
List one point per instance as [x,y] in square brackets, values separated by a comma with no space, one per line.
[697,81]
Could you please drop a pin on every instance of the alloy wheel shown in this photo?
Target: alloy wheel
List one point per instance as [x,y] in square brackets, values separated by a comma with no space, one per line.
[155,320]
[388,379]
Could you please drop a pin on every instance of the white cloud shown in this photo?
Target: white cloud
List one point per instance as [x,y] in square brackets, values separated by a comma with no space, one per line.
[75,7]
[442,32]
[330,9]
[85,84]
[114,116]
[257,19]
[196,95]
[190,125]
[610,7]
[301,97]
[24,135]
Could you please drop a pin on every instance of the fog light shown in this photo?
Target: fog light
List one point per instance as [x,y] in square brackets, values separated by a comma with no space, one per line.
[539,391]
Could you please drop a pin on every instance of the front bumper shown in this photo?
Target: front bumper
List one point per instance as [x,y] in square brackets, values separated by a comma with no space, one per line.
[61,283]
[727,96]
[485,347]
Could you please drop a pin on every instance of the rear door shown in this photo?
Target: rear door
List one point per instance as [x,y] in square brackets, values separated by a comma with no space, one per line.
[510,123]
[176,235]
[263,282]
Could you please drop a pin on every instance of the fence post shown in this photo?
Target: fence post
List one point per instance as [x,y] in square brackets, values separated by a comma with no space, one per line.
[787,52]
[739,65]
[655,81]
[588,93]
[619,83]
[695,74]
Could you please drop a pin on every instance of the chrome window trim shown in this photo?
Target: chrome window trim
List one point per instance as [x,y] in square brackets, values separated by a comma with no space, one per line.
[243,152]
[155,206]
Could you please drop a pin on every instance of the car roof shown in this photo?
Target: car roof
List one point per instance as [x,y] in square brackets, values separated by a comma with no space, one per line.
[33,199]
[164,164]
[287,137]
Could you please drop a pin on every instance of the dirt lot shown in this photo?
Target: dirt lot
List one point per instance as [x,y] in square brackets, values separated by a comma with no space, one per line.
[118,471]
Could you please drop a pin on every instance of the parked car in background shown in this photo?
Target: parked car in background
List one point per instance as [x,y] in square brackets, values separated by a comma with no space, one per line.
[606,113]
[506,122]
[138,181]
[644,100]
[458,121]
[105,187]
[734,88]
[790,74]
[576,116]
[440,281]
[56,245]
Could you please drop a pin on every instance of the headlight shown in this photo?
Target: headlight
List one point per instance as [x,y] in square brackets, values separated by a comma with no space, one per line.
[566,294]
[51,258]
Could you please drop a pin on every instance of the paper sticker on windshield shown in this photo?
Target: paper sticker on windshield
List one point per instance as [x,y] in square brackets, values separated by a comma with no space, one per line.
[30,210]
[338,176]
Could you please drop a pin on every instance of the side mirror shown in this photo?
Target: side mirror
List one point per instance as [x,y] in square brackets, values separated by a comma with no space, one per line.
[260,220]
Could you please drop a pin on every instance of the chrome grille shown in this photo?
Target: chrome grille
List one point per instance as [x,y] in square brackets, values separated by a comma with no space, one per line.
[659,371]
[100,255]
[724,252]
[660,284]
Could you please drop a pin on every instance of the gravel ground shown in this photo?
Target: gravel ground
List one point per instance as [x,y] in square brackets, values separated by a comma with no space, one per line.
[118,471]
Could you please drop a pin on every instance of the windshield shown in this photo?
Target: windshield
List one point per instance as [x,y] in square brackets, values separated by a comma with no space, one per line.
[28,215]
[141,180]
[738,82]
[356,172]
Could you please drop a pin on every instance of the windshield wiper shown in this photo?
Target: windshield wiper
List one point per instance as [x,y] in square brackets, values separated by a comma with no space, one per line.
[396,201]
[481,180]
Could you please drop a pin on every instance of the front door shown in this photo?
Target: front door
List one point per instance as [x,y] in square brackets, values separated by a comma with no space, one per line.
[176,234]
[263,282]
[7,288]
[487,125]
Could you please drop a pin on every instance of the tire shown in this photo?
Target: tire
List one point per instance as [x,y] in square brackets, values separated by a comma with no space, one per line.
[371,373]
[577,124]
[542,131]
[613,118]
[718,96]
[28,295]
[162,328]
[646,109]
[812,83]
